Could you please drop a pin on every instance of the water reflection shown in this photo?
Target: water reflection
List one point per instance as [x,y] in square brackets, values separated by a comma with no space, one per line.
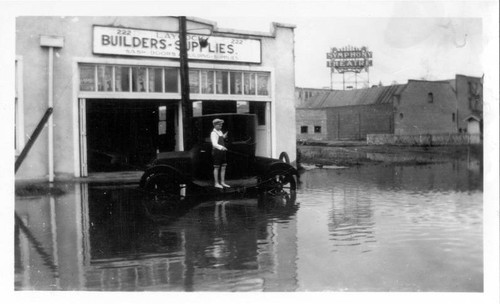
[115,238]
[351,223]
[371,228]
[405,228]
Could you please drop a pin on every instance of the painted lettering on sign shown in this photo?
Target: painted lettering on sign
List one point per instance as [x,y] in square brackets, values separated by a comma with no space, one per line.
[349,59]
[133,42]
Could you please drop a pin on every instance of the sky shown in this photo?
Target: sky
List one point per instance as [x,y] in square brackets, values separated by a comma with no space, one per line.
[431,40]
[432,48]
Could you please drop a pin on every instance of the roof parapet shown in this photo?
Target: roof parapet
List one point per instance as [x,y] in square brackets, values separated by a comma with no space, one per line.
[216,29]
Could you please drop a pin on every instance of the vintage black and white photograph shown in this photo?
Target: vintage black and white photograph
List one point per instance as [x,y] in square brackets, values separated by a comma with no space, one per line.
[280,147]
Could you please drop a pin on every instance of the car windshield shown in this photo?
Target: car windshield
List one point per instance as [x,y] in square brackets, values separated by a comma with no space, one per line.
[240,127]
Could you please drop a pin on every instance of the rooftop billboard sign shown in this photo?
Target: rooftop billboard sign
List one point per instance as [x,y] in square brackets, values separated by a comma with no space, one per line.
[349,59]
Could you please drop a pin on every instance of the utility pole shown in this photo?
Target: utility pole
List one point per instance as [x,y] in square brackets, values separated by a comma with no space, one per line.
[187,107]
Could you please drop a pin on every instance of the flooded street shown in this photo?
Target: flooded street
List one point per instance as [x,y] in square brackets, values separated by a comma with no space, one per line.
[368,228]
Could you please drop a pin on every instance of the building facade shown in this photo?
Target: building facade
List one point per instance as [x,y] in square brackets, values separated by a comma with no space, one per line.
[416,108]
[347,115]
[114,85]
[469,91]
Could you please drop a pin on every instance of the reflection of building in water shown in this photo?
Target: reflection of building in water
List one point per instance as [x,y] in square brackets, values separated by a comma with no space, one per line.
[104,239]
[49,242]
[351,217]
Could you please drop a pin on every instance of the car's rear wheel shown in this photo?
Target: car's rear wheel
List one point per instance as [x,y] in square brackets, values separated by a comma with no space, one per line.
[165,183]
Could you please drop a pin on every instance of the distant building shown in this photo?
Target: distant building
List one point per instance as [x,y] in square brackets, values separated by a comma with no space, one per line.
[418,107]
[469,92]
[303,95]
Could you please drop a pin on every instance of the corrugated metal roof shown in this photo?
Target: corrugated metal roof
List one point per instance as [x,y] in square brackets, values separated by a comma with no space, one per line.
[337,98]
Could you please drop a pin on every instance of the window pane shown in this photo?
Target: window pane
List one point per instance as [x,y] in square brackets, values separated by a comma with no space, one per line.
[263,84]
[171,80]
[162,127]
[303,129]
[194,81]
[221,80]
[155,80]
[235,83]
[104,78]
[259,108]
[317,129]
[242,107]
[87,78]
[139,79]
[249,83]
[207,82]
[122,78]
[197,108]
[162,113]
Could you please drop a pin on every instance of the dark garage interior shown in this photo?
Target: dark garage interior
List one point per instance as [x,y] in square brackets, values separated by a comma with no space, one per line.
[125,135]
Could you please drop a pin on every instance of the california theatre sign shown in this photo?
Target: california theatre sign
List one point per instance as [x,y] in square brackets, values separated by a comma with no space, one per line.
[148,43]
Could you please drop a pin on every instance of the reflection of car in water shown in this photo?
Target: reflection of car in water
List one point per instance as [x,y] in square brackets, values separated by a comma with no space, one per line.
[182,173]
[223,233]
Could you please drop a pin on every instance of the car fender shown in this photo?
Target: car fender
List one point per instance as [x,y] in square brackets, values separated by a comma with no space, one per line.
[160,169]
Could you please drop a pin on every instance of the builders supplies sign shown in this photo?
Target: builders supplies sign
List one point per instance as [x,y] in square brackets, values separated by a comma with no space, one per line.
[148,43]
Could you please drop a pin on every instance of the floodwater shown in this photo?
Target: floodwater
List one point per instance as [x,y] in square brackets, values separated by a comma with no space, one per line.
[369,228]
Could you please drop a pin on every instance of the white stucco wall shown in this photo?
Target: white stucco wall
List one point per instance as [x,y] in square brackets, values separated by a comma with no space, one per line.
[277,57]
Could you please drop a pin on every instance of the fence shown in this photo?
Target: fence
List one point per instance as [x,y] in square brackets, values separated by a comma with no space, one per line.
[423,139]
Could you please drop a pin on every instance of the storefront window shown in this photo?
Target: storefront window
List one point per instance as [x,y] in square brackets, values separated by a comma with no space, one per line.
[221,82]
[263,84]
[235,83]
[194,81]
[155,80]
[171,80]
[138,79]
[100,78]
[122,79]
[207,82]
[249,81]
[87,78]
[104,78]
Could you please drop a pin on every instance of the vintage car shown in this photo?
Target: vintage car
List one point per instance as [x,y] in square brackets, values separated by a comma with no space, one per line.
[191,172]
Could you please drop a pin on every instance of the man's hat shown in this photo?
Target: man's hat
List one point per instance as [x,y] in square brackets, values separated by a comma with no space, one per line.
[217,121]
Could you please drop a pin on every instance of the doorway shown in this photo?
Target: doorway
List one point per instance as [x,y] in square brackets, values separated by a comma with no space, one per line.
[126,135]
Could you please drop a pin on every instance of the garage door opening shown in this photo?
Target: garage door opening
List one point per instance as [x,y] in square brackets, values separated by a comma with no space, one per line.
[125,135]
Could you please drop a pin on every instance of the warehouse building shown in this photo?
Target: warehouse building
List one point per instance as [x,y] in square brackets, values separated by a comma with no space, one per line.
[416,108]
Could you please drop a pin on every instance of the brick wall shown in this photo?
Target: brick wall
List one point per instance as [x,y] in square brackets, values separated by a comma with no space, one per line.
[311,118]
[417,114]
[355,122]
